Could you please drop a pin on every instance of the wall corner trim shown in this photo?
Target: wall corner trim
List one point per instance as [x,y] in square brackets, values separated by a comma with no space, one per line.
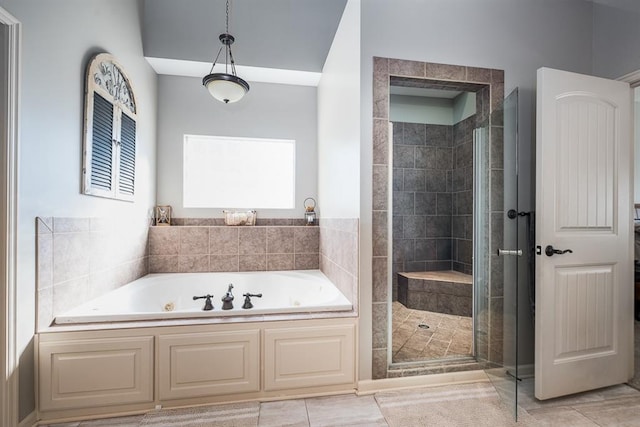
[632,78]
[8,221]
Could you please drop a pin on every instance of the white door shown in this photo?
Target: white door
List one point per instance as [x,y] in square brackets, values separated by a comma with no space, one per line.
[584,298]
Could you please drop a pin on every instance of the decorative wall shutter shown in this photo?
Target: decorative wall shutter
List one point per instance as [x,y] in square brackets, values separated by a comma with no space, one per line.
[109,150]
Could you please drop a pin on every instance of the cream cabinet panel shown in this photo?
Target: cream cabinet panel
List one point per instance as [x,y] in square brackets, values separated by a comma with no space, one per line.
[95,372]
[309,356]
[208,364]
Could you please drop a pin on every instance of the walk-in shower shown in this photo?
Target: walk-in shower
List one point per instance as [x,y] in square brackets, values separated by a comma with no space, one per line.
[439,179]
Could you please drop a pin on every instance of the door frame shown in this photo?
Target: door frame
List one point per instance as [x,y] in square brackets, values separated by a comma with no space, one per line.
[9,411]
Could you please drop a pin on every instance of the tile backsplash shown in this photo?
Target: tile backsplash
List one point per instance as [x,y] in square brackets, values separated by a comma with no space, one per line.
[79,259]
[339,255]
[223,248]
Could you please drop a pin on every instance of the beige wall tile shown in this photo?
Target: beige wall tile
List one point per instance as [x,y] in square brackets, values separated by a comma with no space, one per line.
[70,294]
[194,240]
[223,263]
[445,71]
[71,256]
[306,239]
[277,262]
[164,241]
[45,308]
[44,272]
[380,287]
[193,263]
[380,187]
[252,241]
[163,264]
[252,262]
[307,261]
[223,240]
[379,363]
[401,67]
[103,251]
[280,240]
[44,225]
[479,75]
[381,87]
[380,142]
[380,233]
[70,225]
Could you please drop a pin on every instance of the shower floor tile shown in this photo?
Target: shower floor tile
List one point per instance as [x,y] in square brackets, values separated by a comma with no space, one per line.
[447,336]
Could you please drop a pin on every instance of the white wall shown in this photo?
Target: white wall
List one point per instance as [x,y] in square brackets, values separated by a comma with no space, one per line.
[516,36]
[58,40]
[339,121]
[267,111]
[616,31]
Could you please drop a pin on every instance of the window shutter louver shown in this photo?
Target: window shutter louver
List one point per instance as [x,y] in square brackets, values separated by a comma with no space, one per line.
[126,183]
[102,144]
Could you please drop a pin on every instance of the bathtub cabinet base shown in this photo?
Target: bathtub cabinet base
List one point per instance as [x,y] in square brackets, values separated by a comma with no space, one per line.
[208,364]
[123,371]
[96,372]
[311,356]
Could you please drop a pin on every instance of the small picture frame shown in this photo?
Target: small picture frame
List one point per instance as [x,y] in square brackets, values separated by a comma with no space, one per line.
[163,215]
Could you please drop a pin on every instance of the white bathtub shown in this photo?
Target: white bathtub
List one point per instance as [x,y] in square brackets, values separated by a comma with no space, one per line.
[170,296]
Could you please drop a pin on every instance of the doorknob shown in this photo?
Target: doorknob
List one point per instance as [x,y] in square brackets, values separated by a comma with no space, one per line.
[503,252]
[550,251]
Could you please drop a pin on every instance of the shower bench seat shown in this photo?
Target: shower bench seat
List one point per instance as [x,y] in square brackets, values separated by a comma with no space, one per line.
[448,292]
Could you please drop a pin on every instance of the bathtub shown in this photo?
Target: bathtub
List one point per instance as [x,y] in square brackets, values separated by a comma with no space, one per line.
[170,296]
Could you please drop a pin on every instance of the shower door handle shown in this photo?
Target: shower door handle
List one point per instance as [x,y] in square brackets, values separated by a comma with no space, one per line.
[513,252]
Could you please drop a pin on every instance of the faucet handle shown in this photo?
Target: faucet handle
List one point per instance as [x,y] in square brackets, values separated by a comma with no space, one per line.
[208,305]
[247,300]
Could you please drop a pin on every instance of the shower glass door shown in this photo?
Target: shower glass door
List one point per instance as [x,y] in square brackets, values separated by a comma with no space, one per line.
[503,290]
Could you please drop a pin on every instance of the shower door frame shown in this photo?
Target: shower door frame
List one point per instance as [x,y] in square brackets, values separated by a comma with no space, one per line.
[447,76]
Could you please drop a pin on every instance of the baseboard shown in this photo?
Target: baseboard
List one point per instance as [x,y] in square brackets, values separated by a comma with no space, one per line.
[30,420]
[373,386]
[526,371]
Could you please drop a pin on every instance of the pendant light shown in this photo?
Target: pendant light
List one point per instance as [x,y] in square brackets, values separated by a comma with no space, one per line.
[226,87]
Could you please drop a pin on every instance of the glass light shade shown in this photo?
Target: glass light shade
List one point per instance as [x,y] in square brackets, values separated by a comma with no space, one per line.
[225,87]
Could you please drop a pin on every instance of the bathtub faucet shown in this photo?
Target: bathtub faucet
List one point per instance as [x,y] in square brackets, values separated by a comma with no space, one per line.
[247,300]
[227,300]
[208,305]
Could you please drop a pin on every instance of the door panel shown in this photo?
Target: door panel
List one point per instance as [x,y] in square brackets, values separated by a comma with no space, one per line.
[584,318]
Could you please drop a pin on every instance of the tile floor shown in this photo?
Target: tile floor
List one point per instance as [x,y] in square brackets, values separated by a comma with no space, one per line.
[475,404]
[447,335]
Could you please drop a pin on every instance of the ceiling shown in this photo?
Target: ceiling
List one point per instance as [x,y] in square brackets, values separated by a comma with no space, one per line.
[181,37]
[282,34]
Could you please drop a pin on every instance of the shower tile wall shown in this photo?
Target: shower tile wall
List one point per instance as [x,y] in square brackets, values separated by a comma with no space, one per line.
[488,84]
[432,197]
[462,196]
